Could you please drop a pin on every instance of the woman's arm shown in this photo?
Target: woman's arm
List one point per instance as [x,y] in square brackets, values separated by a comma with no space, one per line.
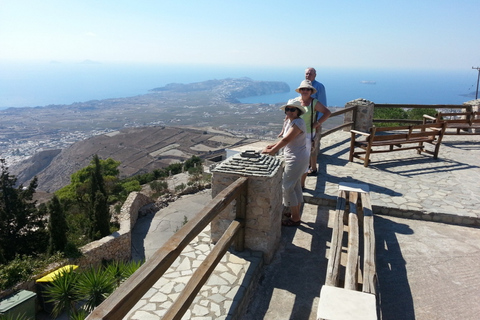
[283,128]
[326,114]
[291,134]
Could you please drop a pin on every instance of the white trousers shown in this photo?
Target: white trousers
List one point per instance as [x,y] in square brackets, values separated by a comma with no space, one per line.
[292,182]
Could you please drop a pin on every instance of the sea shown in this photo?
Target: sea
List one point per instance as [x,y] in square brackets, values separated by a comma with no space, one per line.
[60,83]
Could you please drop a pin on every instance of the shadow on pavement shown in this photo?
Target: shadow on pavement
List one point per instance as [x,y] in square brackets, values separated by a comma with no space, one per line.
[394,294]
[139,233]
[296,274]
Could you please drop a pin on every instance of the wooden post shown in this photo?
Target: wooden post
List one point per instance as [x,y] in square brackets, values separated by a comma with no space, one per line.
[240,216]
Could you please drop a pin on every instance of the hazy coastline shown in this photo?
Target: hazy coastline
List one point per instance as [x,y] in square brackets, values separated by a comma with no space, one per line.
[56,83]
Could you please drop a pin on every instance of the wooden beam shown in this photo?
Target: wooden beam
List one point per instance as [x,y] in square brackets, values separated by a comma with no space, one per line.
[241,216]
[369,268]
[119,303]
[351,268]
[200,276]
[334,258]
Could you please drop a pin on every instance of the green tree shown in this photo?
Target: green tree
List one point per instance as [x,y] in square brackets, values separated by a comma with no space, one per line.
[86,199]
[22,227]
[101,216]
[98,211]
[77,192]
[193,162]
[57,226]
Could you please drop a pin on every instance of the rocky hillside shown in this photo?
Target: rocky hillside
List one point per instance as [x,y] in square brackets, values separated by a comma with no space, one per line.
[139,150]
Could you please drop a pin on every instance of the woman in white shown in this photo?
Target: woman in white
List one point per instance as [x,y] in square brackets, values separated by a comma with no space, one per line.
[296,158]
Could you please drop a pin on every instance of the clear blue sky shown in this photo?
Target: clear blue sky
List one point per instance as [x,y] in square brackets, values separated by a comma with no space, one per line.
[370,34]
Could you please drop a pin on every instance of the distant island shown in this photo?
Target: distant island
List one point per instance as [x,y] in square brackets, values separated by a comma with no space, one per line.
[169,123]
[229,88]
[213,103]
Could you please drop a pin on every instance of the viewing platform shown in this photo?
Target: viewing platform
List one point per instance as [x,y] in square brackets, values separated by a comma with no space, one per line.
[233,260]
[425,270]
[406,184]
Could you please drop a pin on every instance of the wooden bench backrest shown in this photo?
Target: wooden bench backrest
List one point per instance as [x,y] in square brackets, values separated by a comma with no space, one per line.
[459,117]
[412,132]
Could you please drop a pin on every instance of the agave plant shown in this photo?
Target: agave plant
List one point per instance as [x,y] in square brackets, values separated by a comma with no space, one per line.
[90,287]
[115,270]
[121,270]
[94,285]
[62,293]
[10,317]
[130,267]
[78,315]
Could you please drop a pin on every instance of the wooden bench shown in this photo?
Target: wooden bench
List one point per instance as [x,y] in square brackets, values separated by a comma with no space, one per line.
[388,139]
[463,123]
[350,286]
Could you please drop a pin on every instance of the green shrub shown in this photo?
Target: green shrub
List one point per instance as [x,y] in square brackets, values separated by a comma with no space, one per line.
[417,114]
[399,113]
[10,317]
[23,267]
[180,187]
[18,270]
[159,186]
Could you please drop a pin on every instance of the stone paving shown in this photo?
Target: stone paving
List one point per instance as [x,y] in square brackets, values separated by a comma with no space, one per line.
[407,184]
[221,295]
[401,184]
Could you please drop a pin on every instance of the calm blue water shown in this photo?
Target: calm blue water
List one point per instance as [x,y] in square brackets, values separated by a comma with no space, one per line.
[33,85]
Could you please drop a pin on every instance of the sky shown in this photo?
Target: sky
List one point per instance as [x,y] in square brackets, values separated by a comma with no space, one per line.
[418,34]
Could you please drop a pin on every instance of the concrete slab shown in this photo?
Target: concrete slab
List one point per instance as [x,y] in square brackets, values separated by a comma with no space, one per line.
[343,304]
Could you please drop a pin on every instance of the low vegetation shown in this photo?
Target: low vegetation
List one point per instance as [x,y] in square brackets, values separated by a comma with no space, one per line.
[31,237]
[400,114]
[78,292]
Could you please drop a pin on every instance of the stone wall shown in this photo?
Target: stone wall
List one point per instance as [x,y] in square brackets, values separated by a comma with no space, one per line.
[117,246]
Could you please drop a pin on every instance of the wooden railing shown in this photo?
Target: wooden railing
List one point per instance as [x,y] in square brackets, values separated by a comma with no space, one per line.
[353,109]
[345,124]
[117,305]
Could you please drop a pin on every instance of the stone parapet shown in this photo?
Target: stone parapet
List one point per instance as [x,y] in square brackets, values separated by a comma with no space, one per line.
[264,200]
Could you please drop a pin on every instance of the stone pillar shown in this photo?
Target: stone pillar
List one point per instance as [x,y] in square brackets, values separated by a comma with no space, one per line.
[364,115]
[264,199]
[473,106]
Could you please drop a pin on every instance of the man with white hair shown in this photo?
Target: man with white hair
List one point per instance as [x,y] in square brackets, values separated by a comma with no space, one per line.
[320,95]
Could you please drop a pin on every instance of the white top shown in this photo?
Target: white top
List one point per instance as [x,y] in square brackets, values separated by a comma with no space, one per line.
[296,149]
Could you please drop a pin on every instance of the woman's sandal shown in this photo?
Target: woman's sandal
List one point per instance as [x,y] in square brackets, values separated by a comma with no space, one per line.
[291,223]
